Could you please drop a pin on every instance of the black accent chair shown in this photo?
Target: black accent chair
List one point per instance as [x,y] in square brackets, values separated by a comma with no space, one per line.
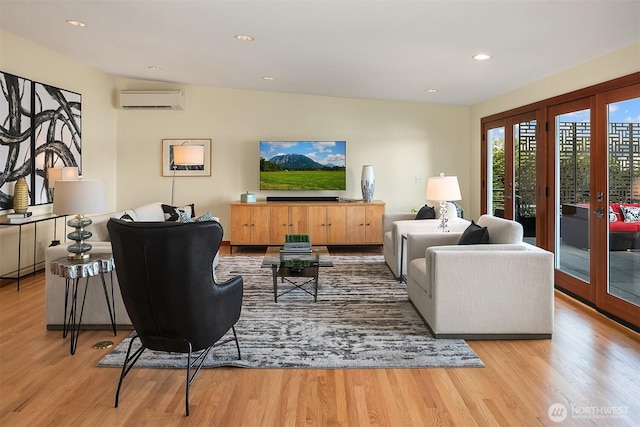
[168,288]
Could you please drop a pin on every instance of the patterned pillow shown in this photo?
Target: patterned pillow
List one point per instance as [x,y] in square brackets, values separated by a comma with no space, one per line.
[612,215]
[172,213]
[631,213]
[184,217]
[126,217]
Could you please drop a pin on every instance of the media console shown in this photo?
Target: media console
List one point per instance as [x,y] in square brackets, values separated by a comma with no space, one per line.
[303,199]
[331,222]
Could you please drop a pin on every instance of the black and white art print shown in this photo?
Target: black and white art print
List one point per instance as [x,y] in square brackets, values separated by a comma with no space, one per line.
[40,128]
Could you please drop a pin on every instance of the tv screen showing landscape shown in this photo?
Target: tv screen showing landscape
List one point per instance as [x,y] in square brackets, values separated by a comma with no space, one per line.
[303,165]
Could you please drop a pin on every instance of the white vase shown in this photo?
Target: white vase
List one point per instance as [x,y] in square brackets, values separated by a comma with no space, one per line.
[367,183]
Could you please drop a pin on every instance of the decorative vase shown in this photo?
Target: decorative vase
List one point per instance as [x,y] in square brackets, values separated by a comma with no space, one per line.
[21,196]
[367,183]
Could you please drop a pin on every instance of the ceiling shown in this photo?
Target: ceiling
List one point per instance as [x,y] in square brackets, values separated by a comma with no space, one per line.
[376,49]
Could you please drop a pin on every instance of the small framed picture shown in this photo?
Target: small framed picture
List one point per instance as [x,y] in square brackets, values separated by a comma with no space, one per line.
[195,160]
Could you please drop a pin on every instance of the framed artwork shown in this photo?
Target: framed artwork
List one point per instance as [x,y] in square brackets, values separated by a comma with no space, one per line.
[169,167]
[40,128]
[57,135]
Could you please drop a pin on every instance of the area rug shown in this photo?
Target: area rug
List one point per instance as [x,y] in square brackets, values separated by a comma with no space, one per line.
[362,319]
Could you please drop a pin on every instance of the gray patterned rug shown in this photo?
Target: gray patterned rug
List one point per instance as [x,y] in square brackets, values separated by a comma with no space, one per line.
[363,319]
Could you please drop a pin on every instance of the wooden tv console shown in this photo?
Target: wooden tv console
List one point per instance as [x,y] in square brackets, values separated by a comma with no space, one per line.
[327,223]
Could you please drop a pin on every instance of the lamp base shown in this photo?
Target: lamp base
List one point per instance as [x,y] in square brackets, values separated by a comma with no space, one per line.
[80,249]
[79,257]
[443,226]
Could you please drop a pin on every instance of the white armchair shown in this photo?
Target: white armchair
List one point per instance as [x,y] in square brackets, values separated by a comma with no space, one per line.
[395,224]
[503,289]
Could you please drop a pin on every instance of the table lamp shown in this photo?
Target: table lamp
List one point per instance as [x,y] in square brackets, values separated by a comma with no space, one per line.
[57,174]
[63,173]
[185,155]
[443,188]
[79,197]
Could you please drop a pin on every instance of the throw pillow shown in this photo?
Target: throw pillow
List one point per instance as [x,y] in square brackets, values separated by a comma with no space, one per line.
[631,213]
[426,212]
[185,218]
[474,234]
[612,215]
[172,213]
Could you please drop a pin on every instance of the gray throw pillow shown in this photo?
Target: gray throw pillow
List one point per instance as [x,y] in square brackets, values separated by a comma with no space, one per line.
[426,212]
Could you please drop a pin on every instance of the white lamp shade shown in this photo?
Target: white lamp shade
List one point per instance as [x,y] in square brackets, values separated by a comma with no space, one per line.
[443,188]
[57,174]
[79,197]
[188,154]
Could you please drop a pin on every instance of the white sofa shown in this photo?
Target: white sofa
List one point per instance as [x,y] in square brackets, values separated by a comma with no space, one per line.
[503,289]
[96,314]
[395,224]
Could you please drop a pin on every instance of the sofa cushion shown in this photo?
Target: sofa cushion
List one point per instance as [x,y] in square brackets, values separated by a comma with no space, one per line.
[624,227]
[630,213]
[172,213]
[474,235]
[426,212]
[150,212]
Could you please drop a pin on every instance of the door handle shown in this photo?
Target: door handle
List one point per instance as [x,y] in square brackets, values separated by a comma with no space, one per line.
[599,212]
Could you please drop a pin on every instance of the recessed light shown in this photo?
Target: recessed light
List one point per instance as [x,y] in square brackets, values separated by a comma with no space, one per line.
[431,90]
[155,68]
[267,78]
[482,57]
[245,38]
[76,23]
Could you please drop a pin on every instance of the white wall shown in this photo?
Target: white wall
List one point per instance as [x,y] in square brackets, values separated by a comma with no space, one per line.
[402,140]
[25,59]
[617,64]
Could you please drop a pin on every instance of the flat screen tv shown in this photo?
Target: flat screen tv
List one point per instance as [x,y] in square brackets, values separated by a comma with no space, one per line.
[303,165]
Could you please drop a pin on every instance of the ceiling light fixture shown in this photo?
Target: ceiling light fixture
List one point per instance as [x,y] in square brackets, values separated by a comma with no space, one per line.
[482,57]
[76,23]
[267,78]
[431,90]
[245,38]
[155,68]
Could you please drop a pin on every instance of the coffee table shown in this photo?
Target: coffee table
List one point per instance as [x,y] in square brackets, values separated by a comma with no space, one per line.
[291,265]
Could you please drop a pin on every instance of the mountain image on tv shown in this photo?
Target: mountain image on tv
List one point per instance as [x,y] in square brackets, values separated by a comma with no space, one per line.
[302,165]
[295,161]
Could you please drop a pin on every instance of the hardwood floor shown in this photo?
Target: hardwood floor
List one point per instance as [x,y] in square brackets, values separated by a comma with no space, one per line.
[591,365]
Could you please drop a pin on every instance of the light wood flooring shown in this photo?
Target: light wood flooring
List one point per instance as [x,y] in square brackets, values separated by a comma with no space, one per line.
[591,366]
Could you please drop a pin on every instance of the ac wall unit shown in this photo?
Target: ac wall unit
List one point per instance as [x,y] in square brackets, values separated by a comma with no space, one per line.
[153,99]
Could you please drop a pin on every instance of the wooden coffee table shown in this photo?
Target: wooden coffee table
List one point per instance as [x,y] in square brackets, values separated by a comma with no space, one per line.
[291,265]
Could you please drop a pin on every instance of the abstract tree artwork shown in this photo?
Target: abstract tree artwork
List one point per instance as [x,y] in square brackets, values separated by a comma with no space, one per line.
[40,128]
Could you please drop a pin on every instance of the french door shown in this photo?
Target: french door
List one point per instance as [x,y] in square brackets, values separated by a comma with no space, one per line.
[571,165]
[511,170]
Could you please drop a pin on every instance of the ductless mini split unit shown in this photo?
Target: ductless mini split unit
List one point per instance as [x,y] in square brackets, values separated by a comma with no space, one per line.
[152,99]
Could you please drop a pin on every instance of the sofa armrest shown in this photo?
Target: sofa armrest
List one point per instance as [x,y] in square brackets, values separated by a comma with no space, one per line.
[388,218]
[418,243]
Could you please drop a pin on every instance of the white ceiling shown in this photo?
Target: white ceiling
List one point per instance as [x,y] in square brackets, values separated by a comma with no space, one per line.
[377,49]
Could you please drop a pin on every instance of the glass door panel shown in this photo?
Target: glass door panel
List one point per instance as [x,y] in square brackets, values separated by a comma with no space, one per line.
[524,136]
[623,145]
[572,189]
[496,172]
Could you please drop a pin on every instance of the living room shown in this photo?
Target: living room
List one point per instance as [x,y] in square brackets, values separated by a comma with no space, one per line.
[406,142]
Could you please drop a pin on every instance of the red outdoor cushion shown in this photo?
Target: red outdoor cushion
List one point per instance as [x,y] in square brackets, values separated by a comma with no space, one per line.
[621,226]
